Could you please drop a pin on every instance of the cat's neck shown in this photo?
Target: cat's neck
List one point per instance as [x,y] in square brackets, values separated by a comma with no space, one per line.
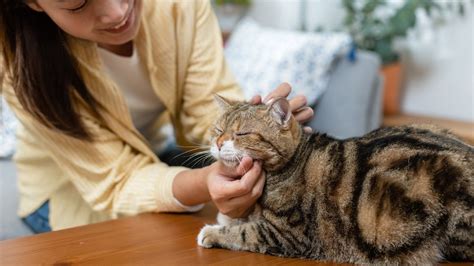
[319,141]
[294,168]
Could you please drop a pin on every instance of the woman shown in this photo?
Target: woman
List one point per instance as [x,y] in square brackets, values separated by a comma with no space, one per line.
[88,80]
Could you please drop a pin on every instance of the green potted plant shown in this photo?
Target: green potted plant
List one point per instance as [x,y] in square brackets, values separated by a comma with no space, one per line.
[377,33]
[229,12]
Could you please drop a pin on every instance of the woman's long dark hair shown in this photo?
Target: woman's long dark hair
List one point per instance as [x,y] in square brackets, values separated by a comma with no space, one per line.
[45,75]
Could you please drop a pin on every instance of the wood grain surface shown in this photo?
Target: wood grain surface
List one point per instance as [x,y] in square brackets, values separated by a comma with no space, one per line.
[159,239]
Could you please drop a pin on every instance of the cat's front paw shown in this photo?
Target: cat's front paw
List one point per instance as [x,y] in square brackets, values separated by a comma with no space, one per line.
[207,237]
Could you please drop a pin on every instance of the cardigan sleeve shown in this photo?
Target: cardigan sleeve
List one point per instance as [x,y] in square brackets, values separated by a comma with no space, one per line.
[110,175]
[207,74]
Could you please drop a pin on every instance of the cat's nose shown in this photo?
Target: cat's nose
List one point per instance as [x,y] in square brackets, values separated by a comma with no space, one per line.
[219,143]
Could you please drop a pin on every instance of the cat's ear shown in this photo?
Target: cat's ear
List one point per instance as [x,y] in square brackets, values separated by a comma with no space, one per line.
[280,110]
[222,102]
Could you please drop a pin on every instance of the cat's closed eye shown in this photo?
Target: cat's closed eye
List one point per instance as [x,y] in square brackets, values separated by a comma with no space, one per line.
[239,134]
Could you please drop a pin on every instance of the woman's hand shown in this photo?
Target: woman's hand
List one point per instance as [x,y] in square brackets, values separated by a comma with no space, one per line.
[298,104]
[235,190]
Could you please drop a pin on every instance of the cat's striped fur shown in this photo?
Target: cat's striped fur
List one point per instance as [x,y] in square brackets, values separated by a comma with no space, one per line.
[401,195]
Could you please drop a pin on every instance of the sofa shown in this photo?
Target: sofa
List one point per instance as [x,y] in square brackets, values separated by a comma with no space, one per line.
[11,225]
[350,106]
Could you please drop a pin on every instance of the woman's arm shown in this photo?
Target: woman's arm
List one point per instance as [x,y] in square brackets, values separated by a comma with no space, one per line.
[111,176]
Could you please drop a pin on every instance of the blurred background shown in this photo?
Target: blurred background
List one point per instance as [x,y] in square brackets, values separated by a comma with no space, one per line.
[423,54]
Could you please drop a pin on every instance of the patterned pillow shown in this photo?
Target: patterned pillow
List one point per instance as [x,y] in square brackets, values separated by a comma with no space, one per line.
[262,58]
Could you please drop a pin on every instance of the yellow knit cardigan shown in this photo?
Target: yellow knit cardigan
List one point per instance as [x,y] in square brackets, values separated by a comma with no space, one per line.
[118,174]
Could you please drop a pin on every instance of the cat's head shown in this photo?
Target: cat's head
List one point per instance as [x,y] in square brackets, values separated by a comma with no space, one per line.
[268,133]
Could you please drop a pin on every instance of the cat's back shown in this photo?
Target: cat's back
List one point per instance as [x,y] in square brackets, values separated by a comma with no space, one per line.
[420,158]
[399,190]
[409,145]
[423,136]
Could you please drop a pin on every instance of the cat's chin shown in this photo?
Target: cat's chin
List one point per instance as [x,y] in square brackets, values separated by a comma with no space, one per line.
[230,163]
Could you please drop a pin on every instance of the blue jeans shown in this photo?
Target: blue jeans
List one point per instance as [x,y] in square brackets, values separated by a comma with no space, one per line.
[38,221]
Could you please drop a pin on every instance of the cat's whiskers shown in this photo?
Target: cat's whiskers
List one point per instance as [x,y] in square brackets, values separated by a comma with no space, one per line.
[188,147]
[194,155]
[202,158]
[196,144]
[190,151]
[207,159]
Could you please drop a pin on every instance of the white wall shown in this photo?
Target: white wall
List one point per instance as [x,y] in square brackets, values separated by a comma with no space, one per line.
[324,13]
[288,14]
[283,14]
[439,73]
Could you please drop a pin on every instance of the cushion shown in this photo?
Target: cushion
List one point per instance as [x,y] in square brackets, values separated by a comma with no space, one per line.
[261,58]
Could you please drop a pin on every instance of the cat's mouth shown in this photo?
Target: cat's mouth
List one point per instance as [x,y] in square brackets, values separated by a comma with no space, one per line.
[231,161]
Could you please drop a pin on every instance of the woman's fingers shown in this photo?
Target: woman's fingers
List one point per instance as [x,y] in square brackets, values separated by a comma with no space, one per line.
[233,172]
[242,204]
[257,99]
[297,102]
[258,188]
[283,90]
[304,114]
[238,187]
[248,181]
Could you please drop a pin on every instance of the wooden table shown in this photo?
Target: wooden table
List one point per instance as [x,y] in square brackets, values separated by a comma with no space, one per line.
[159,239]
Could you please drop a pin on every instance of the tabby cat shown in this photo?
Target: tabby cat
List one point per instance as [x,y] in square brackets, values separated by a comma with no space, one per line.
[398,195]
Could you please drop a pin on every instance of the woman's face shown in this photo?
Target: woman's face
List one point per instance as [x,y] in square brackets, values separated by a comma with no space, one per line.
[107,22]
